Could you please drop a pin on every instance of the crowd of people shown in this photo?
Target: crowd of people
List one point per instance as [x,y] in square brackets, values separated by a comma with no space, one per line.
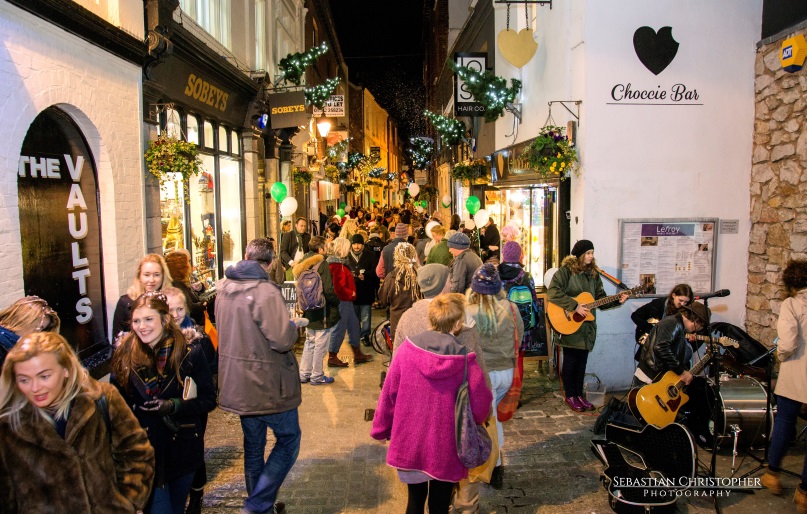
[462,310]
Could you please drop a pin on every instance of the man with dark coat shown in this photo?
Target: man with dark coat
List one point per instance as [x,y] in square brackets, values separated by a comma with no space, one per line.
[360,263]
[465,263]
[293,241]
[258,372]
[490,241]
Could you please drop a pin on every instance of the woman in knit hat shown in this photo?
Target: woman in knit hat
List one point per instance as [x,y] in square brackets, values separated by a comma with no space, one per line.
[577,274]
[499,326]
[400,290]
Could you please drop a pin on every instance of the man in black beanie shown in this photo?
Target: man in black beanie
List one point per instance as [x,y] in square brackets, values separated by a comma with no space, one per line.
[578,274]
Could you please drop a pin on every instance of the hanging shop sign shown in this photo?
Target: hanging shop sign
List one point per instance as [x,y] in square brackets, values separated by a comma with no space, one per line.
[60,227]
[334,107]
[192,86]
[287,110]
[464,104]
[421,177]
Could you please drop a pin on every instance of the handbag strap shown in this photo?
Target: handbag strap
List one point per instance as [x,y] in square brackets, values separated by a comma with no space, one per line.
[465,374]
[515,332]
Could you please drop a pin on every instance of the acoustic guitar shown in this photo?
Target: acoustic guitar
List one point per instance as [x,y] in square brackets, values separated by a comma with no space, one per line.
[566,322]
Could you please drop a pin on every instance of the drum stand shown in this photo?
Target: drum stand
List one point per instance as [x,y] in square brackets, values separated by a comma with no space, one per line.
[714,369]
[763,461]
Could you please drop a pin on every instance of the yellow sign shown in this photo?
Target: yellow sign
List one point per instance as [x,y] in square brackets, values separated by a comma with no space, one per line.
[794,51]
[205,92]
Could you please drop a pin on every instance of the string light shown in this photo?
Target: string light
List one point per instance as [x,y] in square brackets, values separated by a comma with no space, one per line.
[320,93]
[421,152]
[489,90]
[450,129]
[293,65]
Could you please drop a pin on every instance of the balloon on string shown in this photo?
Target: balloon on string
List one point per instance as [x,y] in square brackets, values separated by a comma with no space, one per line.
[341,213]
[419,208]
[288,206]
[469,224]
[481,217]
[414,189]
[472,204]
[424,203]
[278,191]
[342,205]
[447,201]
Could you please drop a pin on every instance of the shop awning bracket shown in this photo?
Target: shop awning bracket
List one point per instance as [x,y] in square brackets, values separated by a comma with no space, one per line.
[563,103]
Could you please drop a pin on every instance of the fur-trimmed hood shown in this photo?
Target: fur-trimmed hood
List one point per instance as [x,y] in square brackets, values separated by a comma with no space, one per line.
[573,263]
[309,262]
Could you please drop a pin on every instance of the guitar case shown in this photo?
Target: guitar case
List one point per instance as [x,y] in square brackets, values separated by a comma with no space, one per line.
[666,454]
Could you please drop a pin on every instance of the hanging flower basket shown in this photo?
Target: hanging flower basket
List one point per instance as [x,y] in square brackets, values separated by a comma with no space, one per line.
[168,155]
[301,176]
[551,153]
[474,172]
[427,193]
[332,174]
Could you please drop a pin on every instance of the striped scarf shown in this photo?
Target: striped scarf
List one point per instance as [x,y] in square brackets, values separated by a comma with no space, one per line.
[154,377]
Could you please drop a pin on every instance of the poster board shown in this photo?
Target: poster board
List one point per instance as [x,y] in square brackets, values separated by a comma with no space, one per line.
[539,346]
[660,253]
[289,291]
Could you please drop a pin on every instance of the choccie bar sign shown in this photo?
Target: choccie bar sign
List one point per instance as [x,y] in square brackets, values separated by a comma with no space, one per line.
[60,227]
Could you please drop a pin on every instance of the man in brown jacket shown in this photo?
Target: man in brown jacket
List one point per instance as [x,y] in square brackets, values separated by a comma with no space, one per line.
[258,372]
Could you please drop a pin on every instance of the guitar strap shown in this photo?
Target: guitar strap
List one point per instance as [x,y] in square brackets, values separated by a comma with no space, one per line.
[613,279]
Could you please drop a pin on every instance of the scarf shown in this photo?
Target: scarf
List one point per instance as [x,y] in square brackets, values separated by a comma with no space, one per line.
[154,376]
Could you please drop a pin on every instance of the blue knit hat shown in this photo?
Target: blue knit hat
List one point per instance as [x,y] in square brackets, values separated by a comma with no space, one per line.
[459,241]
[486,280]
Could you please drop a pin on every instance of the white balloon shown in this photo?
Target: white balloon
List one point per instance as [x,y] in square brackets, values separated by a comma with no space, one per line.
[288,206]
[469,224]
[447,200]
[548,276]
[481,217]
[419,208]
[429,226]
[414,189]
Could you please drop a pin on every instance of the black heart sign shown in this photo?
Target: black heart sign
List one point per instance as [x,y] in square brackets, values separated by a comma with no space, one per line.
[656,51]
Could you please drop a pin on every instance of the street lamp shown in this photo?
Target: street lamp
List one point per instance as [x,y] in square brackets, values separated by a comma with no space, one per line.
[323,126]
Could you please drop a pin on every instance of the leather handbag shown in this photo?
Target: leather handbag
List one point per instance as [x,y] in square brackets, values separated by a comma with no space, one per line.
[473,441]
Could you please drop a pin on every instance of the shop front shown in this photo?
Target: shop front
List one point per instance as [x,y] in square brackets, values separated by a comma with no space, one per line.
[195,102]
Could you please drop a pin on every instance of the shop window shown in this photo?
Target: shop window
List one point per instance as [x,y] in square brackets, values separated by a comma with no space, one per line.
[201,189]
[193,130]
[223,139]
[208,135]
[235,147]
[231,247]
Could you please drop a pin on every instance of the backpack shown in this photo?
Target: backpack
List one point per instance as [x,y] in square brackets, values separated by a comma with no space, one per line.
[521,297]
[310,295]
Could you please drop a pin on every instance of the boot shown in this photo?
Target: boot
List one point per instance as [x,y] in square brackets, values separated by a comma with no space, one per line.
[333,361]
[770,481]
[359,357]
[801,500]
[195,502]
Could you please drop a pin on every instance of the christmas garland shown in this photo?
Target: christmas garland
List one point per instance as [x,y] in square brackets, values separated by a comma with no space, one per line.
[450,129]
[421,152]
[293,65]
[319,94]
[551,153]
[333,152]
[489,90]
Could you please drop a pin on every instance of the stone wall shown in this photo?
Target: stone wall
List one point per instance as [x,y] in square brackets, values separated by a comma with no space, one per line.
[778,188]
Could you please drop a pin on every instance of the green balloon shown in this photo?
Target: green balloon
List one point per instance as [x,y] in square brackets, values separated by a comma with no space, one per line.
[279,191]
[342,205]
[473,204]
[341,213]
[424,203]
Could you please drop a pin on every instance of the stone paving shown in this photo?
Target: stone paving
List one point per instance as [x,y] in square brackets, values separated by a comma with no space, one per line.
[549,467]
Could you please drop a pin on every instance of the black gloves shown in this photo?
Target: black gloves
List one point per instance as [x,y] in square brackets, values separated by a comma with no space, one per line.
[159,407]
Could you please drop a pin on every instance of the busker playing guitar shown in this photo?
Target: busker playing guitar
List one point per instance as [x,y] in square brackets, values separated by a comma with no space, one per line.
[667,348]
[578,274]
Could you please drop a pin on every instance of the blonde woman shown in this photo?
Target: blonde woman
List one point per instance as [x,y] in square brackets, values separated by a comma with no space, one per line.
[345,287]
[400,290]
[152,275]
[26,315]
[350,228]
[67,442]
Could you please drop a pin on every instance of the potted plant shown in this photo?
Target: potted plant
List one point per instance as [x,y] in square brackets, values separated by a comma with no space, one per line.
[473,172]
[168,155]
[551,153]
[301,176]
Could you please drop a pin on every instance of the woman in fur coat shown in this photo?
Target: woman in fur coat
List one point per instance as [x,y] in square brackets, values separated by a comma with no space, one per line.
[167,383]
[67,442]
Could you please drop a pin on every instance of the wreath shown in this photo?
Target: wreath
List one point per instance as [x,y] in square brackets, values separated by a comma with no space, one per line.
[551,153]
[168,155]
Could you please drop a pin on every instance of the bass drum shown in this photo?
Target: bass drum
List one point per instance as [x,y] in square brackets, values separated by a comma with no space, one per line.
[741,403]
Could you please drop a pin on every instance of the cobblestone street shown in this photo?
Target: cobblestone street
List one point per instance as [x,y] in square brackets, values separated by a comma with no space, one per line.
[549,467]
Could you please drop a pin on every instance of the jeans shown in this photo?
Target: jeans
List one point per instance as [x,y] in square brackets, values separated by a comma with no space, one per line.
[784,428]
[364,313]
[573,373]
[500,382]
[316,343]
[171,497]
[264,478]
[348,322]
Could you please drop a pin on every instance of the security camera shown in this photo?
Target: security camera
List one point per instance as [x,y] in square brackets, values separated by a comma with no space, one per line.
[258,75]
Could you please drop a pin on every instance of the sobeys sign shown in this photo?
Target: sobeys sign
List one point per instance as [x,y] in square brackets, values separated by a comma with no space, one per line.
[59,228]
[287,110]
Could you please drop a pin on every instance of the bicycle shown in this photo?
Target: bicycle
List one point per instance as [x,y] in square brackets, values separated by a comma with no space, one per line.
[382,343]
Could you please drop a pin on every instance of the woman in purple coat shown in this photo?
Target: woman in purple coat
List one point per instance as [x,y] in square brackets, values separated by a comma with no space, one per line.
[416,407]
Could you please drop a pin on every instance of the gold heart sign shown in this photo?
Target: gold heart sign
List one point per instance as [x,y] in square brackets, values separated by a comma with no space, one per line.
[517,47]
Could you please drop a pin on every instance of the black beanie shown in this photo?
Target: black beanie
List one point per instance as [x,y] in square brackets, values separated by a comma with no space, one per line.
[582,247]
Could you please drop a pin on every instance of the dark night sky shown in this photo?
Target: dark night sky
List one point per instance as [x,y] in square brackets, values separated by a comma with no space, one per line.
[381,41]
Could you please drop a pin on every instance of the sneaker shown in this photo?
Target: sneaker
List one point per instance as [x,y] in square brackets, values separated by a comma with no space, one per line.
[323,380]
[585,403]
[305,380]
[574,404]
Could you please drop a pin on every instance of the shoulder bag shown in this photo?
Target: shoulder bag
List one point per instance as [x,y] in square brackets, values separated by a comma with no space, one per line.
[473,441]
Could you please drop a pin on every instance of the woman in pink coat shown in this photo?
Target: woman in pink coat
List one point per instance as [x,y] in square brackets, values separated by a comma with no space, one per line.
[416,407]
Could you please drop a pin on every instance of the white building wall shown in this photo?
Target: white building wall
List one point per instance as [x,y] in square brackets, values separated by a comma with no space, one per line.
[43,66]
[648,161]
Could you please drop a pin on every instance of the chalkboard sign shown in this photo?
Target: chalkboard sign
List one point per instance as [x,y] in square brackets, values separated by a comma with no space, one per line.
[537,345]
[289,291]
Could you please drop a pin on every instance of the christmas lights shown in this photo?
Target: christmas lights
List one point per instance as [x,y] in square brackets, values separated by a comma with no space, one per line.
[489,90]
[333,152]
[320,93]
[293,65]
[450,129]
[421,152]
